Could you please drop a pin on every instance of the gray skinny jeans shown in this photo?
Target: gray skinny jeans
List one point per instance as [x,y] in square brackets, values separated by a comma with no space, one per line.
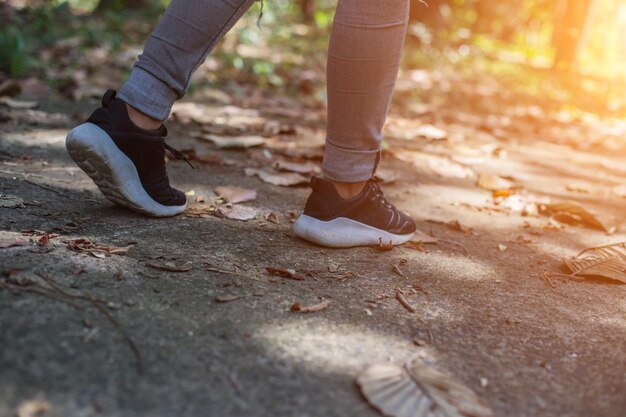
[363,62]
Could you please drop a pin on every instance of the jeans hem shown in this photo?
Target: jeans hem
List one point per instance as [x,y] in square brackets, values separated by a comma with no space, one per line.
[349,165]
[157,103]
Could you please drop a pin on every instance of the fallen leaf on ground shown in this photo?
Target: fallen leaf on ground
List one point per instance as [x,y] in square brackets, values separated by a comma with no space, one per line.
[431,132]
[11,201]
[419,390]
[421,237]
[9,243]
[284,179]
[32,408]
[171,266]
[285,273]
[502,248]
[18,104]
[235,142]
[578,188]
[296,307]
[227,298]
[10,87]
[456,225]
[493,182]
[603,261]
[238,212]
[203,211]
[44,239]
[235,194]
[272,218]
[573,213]
[99,251]
[298,167]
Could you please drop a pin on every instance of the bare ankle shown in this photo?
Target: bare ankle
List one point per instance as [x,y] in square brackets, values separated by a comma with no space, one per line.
[142,120]
[348,190]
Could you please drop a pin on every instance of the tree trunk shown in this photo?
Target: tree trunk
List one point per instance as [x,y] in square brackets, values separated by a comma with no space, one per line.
[571,21]
[307,7]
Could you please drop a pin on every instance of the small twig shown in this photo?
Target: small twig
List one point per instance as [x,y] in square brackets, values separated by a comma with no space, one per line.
[126,337]
[56,286]
[45,187]
[98,304]
[222,271]
[42,292]
[405,303]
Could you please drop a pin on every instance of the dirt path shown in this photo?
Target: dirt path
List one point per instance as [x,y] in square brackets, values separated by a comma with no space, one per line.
[220,339]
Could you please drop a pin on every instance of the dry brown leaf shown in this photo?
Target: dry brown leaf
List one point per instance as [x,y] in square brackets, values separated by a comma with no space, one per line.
[296,307]
[238,212]
[298,167]
[86,246]
[493,182]
[171,266]
[285,273]
[9,243]
[18,104]
[284,179]
[430,132]
[605,261]
[235,142]
[272,218]
[235,194]
[419,390]
[203,211]
[573,213]
[33,408]
[227,298]
[10,201]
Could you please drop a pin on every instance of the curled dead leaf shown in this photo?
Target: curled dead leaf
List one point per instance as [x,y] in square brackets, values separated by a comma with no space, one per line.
[283,179]
[171,266]
[419,390]
[235,194]
[33,408]
[285,273]
[227,298]
[296,307]
[298,167]
[9,243]
[99,251]
[493,182]
[604,261]
[234,142]
[573,213]
[238,212]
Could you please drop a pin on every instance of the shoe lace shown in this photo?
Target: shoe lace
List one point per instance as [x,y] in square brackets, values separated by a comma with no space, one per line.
[377,194]
[179,155]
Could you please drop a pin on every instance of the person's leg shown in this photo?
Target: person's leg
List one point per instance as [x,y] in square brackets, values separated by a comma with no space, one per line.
[363,62]
[122,145]
[347,207]
[187,32]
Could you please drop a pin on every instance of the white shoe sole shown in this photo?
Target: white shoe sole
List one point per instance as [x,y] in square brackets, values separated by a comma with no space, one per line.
[114,173]
[344,233]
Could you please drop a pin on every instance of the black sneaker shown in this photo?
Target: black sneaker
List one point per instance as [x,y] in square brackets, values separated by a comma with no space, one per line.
[126,163]
[365,220]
